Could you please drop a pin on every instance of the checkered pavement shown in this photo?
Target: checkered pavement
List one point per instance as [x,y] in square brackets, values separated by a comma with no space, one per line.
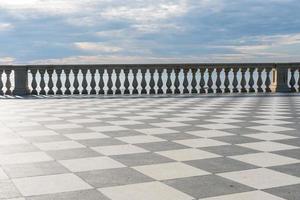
[217,148]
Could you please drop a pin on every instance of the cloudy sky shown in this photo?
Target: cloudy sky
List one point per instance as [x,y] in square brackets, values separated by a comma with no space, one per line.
[149,31]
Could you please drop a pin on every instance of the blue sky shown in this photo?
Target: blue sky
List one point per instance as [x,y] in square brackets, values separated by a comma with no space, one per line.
[149,31]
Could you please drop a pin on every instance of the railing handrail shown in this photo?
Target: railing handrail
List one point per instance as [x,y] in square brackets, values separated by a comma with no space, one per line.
[162,65]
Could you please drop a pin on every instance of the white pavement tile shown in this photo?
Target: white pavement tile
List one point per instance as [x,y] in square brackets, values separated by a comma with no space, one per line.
[125,122]
[92,163]
[101,116]
[268,146]
[209,133]
[228,116]
[272,122]
[45,119]
[37,133]
[265,159]
[172,170]
[152,113]
[85,136]
[156,131]
[188,115]
[63,126]
[202,142]
[119,149]
[140,139]
[12,141]
[217,126]
[187,154]
[144,191]
[261,178]
[270,136]
[253,195]
[40,185]
[108,128]
[28,157]
[82,121]
[21,124]
[169,124]
[270,128]
[180,119]
[273,117]
[61,145]
[224,121]
[138,117]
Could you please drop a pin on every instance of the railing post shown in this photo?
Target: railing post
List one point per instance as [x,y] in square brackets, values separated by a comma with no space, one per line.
[21,81]
[280,79]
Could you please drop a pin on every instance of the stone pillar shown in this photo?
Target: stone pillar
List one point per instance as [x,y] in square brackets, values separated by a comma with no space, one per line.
[280,79]
[21,81]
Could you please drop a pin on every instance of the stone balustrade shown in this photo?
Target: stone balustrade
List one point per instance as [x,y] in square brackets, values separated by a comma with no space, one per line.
[136,79]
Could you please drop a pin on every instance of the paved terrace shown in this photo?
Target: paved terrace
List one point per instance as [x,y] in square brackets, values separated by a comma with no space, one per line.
[212,148]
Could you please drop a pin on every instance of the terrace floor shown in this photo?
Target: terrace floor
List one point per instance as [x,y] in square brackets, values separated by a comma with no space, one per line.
[212,148]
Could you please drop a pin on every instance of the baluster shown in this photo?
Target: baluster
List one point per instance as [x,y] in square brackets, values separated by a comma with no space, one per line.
[259,79]
[1,83]
[135,82]
[143,82]
[226,80]
[93,82]
[126,82]
[169,81]
[210,81]
[101,81]
[152,82]
[75,83]
[235,80]
[185,81]
[109,81]
[268,80]
[177,82]
[194,82]
[50,82]
[118,82]
[243,80]
[67,83]
[8,82]
[34,83]
[251,80]
[160,82]
[218,81]
[202,81]
[298,79]
[59,83]
[84,81]
[42,83]
[292,80]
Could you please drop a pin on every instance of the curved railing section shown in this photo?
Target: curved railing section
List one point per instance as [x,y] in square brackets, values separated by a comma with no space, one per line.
[134,79]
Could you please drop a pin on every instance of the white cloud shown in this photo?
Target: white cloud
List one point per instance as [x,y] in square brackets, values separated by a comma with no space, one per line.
[6,26]
[287,39]
[6,60]
[97,47]
[35,8]
[113,59]
[112,33]
[262,45]
[148,12]
[245,49]
[155,28]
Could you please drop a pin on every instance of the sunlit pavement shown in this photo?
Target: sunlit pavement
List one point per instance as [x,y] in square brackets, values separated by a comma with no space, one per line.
[214,148]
